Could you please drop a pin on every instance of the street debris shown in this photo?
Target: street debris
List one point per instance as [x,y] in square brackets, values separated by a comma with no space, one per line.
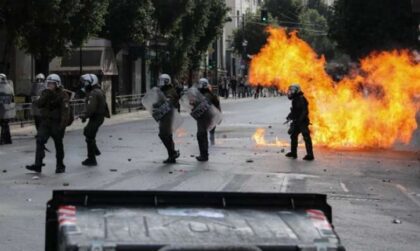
[129,160]
[35,178]
[65,184]
[5,171]
[249,161]
[29,200]
[113,170]
[397,221]
[282,150]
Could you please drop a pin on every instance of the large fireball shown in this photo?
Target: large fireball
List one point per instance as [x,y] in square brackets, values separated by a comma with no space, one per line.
[374,107]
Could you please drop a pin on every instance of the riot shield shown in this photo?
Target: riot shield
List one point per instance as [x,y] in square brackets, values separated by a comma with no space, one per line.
[37,89]
[7,102]
[158,106]
[200,108]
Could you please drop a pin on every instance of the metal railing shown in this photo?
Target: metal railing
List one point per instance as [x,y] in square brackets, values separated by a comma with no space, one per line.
[24,114]
[124,104]
[129,103]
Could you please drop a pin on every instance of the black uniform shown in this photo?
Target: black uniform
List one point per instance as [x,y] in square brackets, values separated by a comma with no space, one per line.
[54,106]
[203,124]
[165,124]
[299,116]
[96,111]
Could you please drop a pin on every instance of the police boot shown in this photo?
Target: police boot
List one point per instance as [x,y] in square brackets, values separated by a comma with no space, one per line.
[170,147]
[60,168]
[203,145]
[91,160]
[35,168]
[291,155]
[309,149]
[172,159]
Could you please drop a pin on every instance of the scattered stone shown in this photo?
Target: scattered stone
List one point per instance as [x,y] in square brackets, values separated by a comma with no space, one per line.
[397,221]
[224,136]
[249,161]
[192,156]
[29,200]
[386,180]
[325,170]
[378,161]
[409,165]
[171,172]
[66,184]
[113,170]
[35,178]
[192,135]
[5,171]
[270,127]
[282,150]
[129,160]
[223,153]
[271,133]
[110,136]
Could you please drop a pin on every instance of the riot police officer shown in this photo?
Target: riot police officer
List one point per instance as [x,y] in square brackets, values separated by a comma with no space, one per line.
[37,88]
[203,122]
[165,124]
[54,106]
[299,116]
[7,109]
[96,110]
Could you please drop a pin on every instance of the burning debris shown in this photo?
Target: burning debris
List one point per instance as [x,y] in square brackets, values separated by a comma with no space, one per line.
[375,106]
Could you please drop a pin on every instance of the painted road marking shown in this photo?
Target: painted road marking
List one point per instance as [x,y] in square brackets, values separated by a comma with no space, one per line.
[344,187]
[405,192]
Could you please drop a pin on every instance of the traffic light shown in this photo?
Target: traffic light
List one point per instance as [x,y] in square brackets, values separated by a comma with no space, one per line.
[264,16]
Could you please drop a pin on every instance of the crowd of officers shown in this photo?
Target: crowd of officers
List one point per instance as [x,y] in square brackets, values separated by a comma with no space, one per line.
[52,114]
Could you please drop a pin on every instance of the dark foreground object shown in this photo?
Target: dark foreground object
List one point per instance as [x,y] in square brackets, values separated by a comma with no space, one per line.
[167,221]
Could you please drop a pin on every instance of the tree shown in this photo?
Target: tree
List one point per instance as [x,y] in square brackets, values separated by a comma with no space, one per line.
[167,17]
[183,40]
[253,32]
[128,21]
[216,20]
[313,29]
[285,11]
[361,26]
[13,15]
[56,26]
[320,6]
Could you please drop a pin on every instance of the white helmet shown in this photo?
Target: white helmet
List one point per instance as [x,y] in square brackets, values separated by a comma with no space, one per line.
[203,83]
[54,78]
[89,80]
[40,78]
[293,90]
[164,79]
[3,78]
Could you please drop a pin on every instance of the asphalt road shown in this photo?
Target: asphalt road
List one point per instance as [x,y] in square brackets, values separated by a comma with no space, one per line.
[368,190]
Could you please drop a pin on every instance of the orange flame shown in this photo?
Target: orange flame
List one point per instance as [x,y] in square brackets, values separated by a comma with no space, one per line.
[375,107]
[259,139]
